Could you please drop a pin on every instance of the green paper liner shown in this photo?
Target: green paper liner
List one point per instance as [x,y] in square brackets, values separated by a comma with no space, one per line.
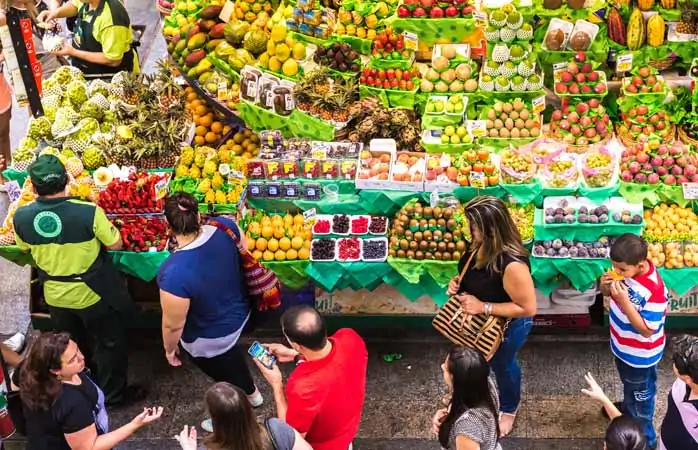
[260,119]
[304,125]
[417,278]
[553,192]
[391,98]
[647,194]
[345,204]
[679,280]
[385,203]
[446,148]
[432,31]
[362,46]
[14,254]
[380,63]
[290,273]
[672,194]
[335,275]
[523,194]
[143,265]
[14,175]
[467,193]
[599,194]
[439,121]
[582,273]
[578,231]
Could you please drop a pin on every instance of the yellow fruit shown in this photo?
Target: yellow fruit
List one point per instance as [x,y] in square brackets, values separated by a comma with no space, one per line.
[267,231]
[263,61]
[290,68]
[279,232]
[304,253]
[291,254]
[283,52]
[257,255]
[274,64]
[268,256]
[339,29]
[371,34]
[361,33]
[261,244]
[285,243]
[290,41]
[271,48]
[297,242]
[251,242]
[280,255]
[277,220]
[298,51]
[273,245]
[278,33]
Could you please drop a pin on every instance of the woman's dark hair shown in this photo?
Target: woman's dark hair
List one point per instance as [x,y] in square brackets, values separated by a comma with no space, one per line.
[182,213]
[471,388]
[625,434]
[235,425]
[39,387]
[490,216]
[686,356]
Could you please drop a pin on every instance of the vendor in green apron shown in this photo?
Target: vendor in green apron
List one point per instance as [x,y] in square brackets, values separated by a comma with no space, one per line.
[86,294]
[103,39]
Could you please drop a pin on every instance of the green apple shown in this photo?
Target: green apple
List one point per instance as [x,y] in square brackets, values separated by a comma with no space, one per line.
[439,106]
[449,107]
[430,107]
[467,139]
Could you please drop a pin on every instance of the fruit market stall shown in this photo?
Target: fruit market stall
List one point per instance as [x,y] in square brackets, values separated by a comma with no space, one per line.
[345,138]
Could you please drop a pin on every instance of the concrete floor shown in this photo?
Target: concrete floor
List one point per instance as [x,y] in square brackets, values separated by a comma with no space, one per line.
[401,396]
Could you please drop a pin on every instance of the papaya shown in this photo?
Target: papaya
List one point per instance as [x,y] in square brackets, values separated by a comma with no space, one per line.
[636,32]
[210,12]
[645,5]
[655,30]
[197,41]
[194,58]
[616,27]
[212,44]
[217,31]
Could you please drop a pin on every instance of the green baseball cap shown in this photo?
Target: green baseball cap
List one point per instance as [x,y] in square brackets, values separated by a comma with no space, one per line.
[48,171]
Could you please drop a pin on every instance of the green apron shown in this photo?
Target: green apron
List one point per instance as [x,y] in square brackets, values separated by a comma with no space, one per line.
[84,39]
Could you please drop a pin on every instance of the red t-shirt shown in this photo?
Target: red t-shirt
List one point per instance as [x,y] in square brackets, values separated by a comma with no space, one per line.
[325,397]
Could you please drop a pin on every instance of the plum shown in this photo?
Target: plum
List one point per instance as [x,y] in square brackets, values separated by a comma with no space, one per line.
[549,219]
[603,218]
[583,253]
[539,250]
[617,217]
[574,252]
[559,218]
[551,252]
[593,253]
[569,218]
[548,244]
[593,219]
[583,210]
[559,211]
[626,219]
[549,211]
[563,252]
[637,219]
[583,218]
[567,243]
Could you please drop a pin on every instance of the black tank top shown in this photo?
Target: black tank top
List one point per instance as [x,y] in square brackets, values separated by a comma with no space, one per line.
[487,285]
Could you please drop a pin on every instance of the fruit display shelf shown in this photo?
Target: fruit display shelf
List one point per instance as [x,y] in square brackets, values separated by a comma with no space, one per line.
[580,232]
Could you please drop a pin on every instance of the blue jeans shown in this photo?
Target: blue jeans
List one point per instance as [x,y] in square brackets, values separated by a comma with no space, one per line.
[639,392]
[506,367]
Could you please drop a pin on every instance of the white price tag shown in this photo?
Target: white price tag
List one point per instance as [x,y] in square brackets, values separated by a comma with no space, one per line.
[161,189]
[411,41]
[538,104]
[480,18]
[690,191]
[14,192]
[477,179]
[624,62]
[227,11]
[191,134]
[477,128]
[557,67]
[222,91]
[434,199]
[309,215]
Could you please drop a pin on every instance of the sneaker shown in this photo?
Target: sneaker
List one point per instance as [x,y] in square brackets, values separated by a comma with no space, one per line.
[256,399]
[16,342]
[207,425]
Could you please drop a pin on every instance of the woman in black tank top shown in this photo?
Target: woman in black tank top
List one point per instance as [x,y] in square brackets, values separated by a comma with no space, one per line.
[498,282]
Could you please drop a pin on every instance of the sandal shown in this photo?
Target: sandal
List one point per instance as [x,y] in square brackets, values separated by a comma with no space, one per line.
[504,431]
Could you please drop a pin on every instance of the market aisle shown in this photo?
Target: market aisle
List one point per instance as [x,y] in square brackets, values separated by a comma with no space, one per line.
[402,396]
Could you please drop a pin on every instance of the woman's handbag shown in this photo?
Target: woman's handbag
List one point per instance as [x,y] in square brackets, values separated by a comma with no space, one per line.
[482,332]
[263,287]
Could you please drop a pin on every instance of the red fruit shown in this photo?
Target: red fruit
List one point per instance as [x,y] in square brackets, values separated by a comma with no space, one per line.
[403,12]
[642,110]
[653,178]
[636,81]
[580,57]
[436,12]
[600,88]
[593,76]
[670,180]
[451,11]
[573,117]
[574,89]
[573,68]
[467,11]
[557,115]
[642,157]
[419,12]
[632,89]
[593,103]
[561,88]
[580,78]
[427,3]
[576,130]
[567,77]
[585,89]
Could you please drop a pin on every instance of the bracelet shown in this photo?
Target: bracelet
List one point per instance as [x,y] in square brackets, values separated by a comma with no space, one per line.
[488,309]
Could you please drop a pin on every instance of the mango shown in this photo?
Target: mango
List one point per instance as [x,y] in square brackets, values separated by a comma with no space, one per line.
[180,46]
[212,44]
[194,58]
[192,31]
[191,73]
[196,41]
[217,31]
[210,12]
[203,66]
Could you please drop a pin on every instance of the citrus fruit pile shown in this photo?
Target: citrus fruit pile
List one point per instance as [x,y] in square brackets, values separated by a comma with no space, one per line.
[279,238]
[210,129]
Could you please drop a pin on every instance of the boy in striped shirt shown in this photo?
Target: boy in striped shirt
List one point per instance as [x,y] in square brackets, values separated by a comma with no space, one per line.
[636,315]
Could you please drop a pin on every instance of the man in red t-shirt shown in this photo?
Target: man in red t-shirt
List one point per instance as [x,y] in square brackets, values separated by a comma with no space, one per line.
[325,393]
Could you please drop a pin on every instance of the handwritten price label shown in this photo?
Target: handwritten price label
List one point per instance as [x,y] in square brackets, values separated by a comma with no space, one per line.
[690,191]
[624,63]
[538,104]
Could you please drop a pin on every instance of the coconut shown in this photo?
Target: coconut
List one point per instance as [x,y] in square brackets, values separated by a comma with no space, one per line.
[441,87]
[431,75]
[448,51]
[456,86]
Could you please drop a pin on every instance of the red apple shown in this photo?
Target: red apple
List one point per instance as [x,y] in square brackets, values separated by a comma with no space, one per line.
[436,12]
[451,11]
[403,12]
[419,12]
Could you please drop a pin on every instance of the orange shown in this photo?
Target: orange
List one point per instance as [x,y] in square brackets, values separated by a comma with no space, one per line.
[280,255]
[211,137]
[207,120]
[304,253]
[200,131]
[216,127]
[226,129]
[273,245]
[268,256]
[261,244]
[201,110]
[297,242]
[308,235]
[251,242]
[199,140]
[257,255]
[284,243]
[291,254]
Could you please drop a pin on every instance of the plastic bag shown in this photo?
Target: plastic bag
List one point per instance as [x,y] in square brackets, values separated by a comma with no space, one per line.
[544,149]
[597,167]
[517,167]
[561,171]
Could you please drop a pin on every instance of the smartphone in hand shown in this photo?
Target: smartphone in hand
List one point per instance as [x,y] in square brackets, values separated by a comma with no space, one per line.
[261,354]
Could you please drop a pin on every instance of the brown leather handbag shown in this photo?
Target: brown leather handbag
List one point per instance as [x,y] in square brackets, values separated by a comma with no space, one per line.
[482,332]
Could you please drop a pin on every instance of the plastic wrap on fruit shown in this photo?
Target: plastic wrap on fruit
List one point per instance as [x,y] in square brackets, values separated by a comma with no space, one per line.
[322,31]
[52,42]
[517,167]
[597,167]
[544,149]
[674,255]
[690,254]
[561,171]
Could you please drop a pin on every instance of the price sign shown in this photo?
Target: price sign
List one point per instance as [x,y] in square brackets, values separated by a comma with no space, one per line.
[477,179]
[477,128]
[480,18]
[227,11]
[224,169]
[690,191]
[560,66]
[161,189]
[434,199]
[14,192]
[411,41]
[624,62]
[538,104]
[222,91]
[309,215]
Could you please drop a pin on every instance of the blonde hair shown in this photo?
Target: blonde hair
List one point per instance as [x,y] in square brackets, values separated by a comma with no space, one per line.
[30,7]
[499,235]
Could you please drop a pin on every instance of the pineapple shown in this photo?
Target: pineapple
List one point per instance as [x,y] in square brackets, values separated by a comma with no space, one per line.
[688,23]
[131,88]
[169,91]
[120,155]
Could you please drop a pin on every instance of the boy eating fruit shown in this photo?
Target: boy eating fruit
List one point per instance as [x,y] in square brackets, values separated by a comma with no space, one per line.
[636,315]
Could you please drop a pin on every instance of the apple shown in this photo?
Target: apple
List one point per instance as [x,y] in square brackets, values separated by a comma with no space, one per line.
[419,12]
[436,12]
[451,11]
[403,12]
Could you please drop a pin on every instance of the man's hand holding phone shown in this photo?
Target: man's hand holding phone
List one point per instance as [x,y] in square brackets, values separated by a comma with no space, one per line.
[282,353]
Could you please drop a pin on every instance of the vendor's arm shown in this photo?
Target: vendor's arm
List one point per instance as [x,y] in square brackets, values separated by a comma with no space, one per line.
[23,246]
[116,41]
[69,9]
[174,316]
[106,232]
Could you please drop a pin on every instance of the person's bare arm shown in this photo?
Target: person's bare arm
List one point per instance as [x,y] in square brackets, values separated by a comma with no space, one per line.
[281,403]
[11,357]
[518,284]
[67,10]
[620,295]
[87,438]
[174,316]
[465,443]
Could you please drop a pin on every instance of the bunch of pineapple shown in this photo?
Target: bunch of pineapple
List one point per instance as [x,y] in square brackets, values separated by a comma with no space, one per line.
[325,96]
